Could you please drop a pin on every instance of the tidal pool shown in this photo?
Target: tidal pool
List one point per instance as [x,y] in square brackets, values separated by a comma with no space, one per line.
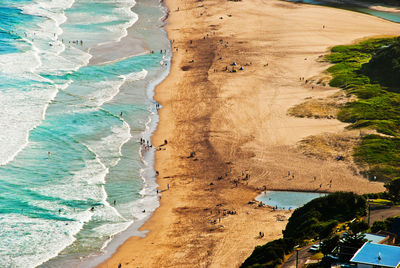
[287,199]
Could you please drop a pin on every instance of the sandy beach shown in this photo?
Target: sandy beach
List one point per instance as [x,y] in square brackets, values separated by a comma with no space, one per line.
[229,135]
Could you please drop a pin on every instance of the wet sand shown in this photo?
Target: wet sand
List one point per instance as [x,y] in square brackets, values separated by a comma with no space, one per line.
[229,135]
[127,47]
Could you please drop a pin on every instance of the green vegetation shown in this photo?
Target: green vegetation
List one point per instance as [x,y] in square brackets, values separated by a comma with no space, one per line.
[377,196]
[269,255]
[380,202]
[317,256]
[329,244]
[316,219]
[385,225]
[370,70]
[382,155]
[384,67]
[358,227]
[393,188]
[349,244]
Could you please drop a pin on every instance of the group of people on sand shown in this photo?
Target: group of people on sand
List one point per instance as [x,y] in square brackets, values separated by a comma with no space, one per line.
[146,144]
[225,212]
[77,42]
[160,147]
[233,64]
[281,208]
[243,177]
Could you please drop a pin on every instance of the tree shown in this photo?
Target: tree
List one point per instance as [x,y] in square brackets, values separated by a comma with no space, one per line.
[393,188]
[358,226]
[379,226]
[384,66]
[349,244]
[329,245]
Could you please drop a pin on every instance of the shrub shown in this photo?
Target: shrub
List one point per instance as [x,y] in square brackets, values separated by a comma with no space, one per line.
[270,254]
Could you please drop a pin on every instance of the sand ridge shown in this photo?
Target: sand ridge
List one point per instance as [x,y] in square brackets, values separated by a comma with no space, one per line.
[236,124]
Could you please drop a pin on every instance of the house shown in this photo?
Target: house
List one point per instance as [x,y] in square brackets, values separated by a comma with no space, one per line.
[377,255]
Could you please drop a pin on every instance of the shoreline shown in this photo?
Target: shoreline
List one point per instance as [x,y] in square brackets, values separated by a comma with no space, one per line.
[149,199]
[194,101]
[147,157]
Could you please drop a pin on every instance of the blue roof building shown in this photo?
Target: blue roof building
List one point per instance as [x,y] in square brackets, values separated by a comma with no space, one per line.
[377,255]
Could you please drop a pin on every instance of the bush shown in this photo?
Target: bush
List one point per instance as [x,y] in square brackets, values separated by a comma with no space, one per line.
[383,195]
[270,254]
[393,188]
[379,226]
[349,244]
[329,244]
[384,67]
[359,226]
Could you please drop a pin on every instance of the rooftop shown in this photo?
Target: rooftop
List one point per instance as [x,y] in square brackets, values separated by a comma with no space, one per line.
[377,254]
[374,238]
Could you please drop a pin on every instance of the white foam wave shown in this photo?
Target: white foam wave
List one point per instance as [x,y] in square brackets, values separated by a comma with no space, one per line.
[121,29]
[135,76]
[51,56]
[40,58]
[38,239]
[110,230]
[85,184]
[11,63]
[105,91]
[108,149]
[117,32]
[17,121]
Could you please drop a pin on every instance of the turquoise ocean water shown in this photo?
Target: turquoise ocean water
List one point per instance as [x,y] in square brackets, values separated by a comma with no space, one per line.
[69,130]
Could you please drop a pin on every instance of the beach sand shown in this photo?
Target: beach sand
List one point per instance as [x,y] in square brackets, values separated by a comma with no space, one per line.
[237,123]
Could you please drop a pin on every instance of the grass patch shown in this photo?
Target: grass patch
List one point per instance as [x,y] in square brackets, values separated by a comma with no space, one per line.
[358,70]
[315,109]
[382,156]
[317,256]
[328,146]
[380,202]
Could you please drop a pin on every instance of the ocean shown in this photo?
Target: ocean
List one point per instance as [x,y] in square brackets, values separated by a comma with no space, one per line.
[76,95]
